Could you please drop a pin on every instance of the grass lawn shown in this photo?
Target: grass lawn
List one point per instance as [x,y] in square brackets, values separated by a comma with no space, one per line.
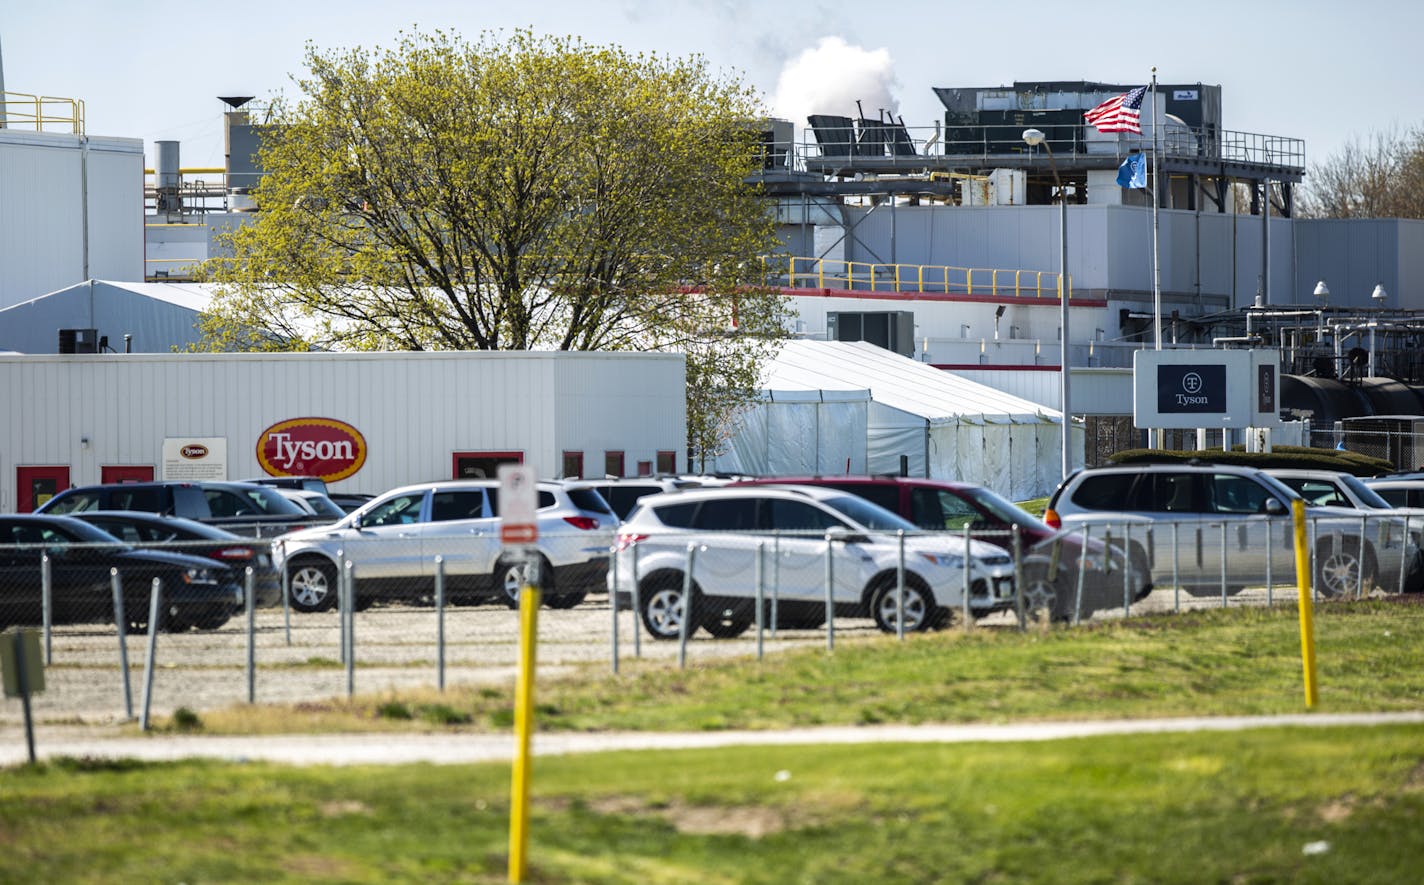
[1278,805]
[1210,662]
[1297,805]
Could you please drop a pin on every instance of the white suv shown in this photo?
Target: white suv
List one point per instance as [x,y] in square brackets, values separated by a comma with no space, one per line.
[792,528]
[1246,509]
[392,542]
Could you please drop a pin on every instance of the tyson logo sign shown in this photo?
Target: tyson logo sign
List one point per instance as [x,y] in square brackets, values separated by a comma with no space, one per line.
[321,447]
[193,451]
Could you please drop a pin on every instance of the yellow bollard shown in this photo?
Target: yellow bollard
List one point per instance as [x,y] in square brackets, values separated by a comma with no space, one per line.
[523,732]
[1307,623]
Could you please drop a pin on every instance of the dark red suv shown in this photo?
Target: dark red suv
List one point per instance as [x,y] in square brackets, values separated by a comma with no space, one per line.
[944,505]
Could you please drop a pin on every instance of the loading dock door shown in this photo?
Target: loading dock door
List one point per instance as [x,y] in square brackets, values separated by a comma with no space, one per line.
[483,465]
[126,473]
[36,485]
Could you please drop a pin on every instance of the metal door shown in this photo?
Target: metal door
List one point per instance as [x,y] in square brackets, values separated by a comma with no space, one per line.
[112,473]
[35,485]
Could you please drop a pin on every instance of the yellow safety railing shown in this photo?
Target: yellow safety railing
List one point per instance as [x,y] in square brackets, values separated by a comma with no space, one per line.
[794,272]
[41,113]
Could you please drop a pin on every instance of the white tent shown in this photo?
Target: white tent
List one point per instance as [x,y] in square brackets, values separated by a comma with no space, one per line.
[941,425]
[158,317]
[829,428]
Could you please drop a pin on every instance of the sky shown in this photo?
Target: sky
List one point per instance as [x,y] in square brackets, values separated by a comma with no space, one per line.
[1324,72]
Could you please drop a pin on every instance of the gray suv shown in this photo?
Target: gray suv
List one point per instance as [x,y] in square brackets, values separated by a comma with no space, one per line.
[1228,520]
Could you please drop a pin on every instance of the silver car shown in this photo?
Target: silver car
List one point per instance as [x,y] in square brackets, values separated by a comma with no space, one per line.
[800,535]
[1232,525]
[392,542]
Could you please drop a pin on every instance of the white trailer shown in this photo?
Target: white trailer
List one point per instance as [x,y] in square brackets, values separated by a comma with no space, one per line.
[366,421]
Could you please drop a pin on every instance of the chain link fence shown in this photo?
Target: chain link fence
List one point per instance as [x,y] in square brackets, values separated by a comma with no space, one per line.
[131,631]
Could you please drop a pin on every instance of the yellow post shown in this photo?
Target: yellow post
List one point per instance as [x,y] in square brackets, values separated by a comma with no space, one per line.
[523,731]
[1307,622]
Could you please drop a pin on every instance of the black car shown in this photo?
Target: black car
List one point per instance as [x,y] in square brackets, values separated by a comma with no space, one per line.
[246,508]
[197,592]
[196,539]
[310,483]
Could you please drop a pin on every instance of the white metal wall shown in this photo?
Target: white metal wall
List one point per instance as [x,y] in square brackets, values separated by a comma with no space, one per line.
[42,210]
[414,409]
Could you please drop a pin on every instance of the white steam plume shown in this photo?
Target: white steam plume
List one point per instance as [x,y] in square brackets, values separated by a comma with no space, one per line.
[830,77]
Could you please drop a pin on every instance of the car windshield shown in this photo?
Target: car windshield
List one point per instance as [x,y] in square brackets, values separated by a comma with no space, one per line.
[1286,493]
[1367,496]
[871,516]
[1003,509]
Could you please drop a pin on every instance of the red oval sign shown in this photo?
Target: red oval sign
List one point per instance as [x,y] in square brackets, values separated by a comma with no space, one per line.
[321,447]
[194,450]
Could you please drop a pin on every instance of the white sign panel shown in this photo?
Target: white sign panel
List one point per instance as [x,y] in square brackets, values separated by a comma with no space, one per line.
[193,458]
[518,505]
[1205,388]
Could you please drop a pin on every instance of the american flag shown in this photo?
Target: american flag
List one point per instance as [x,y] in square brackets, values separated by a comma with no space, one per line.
[1120,113]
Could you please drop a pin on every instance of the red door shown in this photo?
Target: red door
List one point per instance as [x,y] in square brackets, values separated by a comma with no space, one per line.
[482,465]
[126,473]
[36,485]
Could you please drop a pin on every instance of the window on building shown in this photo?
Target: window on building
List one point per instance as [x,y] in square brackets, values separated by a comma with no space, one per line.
[612,463]
[667,462]
[573,465]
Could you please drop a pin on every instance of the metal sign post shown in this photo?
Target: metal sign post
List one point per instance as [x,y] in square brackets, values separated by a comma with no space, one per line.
[23,667]
[518,532]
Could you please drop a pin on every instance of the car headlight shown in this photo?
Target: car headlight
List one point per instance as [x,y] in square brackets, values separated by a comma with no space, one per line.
[948,560]
[198,576]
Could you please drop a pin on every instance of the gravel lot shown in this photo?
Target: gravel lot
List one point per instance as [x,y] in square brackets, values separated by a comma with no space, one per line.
[396,647]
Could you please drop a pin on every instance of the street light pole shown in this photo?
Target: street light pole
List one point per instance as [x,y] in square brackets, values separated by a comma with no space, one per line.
[1035,137]
[1378,296]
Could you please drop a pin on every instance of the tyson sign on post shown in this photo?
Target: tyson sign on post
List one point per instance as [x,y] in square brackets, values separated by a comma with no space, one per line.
[518,505]
[322,447]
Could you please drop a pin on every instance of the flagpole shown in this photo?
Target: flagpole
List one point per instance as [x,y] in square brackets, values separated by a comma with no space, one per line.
[1156,263]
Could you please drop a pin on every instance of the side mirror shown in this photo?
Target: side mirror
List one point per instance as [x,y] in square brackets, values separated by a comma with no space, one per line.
[1274,507]
[356,522]
[841,535]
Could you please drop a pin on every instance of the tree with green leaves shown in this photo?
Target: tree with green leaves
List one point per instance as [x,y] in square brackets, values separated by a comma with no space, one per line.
[514,193]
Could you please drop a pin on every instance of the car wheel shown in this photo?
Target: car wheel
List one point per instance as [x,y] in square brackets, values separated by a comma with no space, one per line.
[510,577]
[725,623]
[663,607]
[1337,570]
[564,600]
[312,586]
[1042,594]
[921,612]
[211,620]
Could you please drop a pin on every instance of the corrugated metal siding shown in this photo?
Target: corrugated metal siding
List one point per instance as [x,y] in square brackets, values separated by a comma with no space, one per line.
[414,409]
[41,212]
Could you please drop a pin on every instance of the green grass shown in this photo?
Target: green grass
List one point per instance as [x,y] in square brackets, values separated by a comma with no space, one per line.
[1213,806]
[1209,662]
[1224,807]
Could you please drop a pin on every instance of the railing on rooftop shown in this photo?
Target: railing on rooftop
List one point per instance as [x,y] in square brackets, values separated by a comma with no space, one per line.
[41,113]
[793,272]
[877,145]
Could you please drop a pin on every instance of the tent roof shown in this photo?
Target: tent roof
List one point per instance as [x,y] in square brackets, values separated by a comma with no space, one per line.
[193,296]
[898,382]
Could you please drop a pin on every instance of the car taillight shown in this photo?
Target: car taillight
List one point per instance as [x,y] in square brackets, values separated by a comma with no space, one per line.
[626,541]
[240,553]
[1050,516]
[586,523]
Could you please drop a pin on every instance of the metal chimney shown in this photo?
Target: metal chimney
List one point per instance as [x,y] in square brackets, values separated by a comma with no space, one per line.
[169,178]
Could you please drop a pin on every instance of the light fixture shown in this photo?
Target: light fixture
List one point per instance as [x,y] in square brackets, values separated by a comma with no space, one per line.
[1322,291]
[1379,294]
[1034,138]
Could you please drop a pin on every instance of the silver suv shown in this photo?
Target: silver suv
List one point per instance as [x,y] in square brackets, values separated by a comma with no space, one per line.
[392,542]
[794,529]
[1242,508]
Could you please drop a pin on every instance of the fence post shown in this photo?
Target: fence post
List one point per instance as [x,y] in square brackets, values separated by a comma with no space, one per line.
[964,597]
[251,610]
[1403,554]
[1016,547]
[1083,575]
[439,622]
[637,606]
[121,622]
[1223,564]
[1360,559]
[350,628]
[47,604]
[900,587]
[775,580]
[760,595]
[155,598]
[613,604]
[1176,568]
[286,594]
[341,603]
[684,628]
[830,602]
